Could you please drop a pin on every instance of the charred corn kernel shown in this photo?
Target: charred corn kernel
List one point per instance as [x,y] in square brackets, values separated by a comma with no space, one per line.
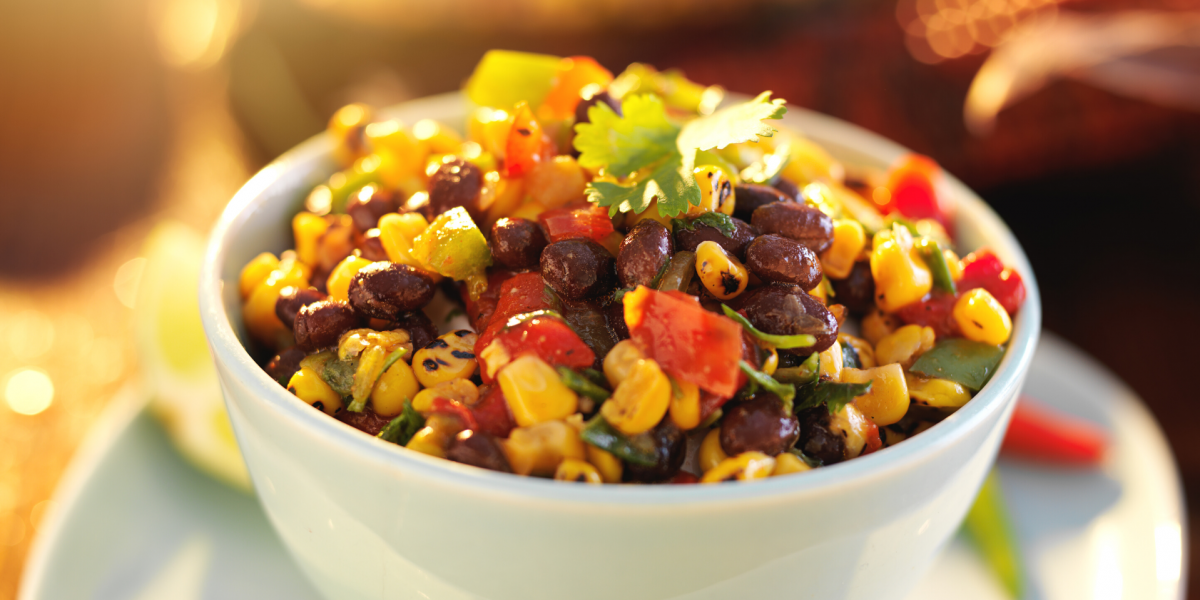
[771,362]
[830,361]
[711,452]
[640,400]
[723,275]
[849,239]
[338,283]
[451,356]
[308,386]
[255,272]
[716,191]
[307,230]
[981,317]
[578,471]
[609,466]
[556,182]
[746,466]
[396,385]
[788,463]
[939,393]
[954,263]
[685,405]
[887,401]
[462,391]
[904,345]
[489,128]
[878,325]
[853,426]
[619,361]
[347,126]
[534,391]
[900,274]
[866,354]
[539,449]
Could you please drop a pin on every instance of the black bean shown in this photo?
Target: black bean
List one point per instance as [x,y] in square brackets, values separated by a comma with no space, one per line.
[752,196]
[857,290]
[670,448]
[291,300]
[789,189]
[578,268]
[371,246]
[615,313]
[644,253]
[456,183]
[420,329]
[581,109]
[817,439]
[320,324]
[478,449]
[285,364]
[789,310]
[776,258]
[383,290]
[744,233]
[335,244]
[802,223]
[517,243]
[368,204]
[759,424]
[367,421]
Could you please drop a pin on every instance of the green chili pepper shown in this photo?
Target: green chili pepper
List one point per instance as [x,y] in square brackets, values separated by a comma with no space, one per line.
[931,252]
[785,391]
[782,342]
[638,450]
[581,385]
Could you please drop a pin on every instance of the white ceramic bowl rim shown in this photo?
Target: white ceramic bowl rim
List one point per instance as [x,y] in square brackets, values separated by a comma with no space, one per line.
[228,349]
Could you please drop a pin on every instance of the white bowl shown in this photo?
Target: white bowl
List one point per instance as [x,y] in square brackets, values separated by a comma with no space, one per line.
[366,519]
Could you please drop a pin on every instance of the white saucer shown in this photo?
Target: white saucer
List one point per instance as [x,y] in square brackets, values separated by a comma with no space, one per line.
[132,521]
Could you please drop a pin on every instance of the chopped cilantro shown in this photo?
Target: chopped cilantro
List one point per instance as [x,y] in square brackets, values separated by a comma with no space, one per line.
[717,220]
[401,429]
[784,342]
[835,396]
[785,391]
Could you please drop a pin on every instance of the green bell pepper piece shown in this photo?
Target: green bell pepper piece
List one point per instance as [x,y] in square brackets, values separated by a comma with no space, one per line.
[960,360]
[503,78]
[638,449]
[453,246]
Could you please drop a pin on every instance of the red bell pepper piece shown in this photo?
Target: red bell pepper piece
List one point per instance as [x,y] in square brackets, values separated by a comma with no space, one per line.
[447,406]
[547,337]
[521,293]
[874,442]
[983,269]
[574,74]
[479,311]
[525,144]
[935,310]
[684,478]
[687,341]
[590,221]
[911,183]
[1040,434]
[491,413]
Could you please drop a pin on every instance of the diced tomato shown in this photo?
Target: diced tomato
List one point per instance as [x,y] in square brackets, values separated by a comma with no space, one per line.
[480,311]
[454,407]
[525,143]
[874,442]
[491,412]
[935,310]
[575,73]
[983,269]
[547,337]
[590,221]
[911,183]
[1040,434]
[684,478]
[521,293]
[687,341]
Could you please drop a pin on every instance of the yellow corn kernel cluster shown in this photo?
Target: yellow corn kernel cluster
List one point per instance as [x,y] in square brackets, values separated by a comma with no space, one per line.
[255,272]
[878,325]
[716,191]
[904,345]
[451,356]
[610,467]
[489,128]
[462,391]
[307,230]
[849,239]
[723,275]
[853,426]
[887,401]
[396,385]
[685,405]
[788,463]
[901,276]
[555,182]
[619,361]
[810,162]
[308,386]
[938,393]
[982,318]
[640,400]
[711,452]
[433,439]
[578,471]
[535,393]
[258,311]
[539,449]
[746,466]
[830,362]
[866,354]
[346,126]
[397,232]
[339,280]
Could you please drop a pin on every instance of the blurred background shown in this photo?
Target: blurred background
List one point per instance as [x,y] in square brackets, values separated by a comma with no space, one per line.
[1076,120]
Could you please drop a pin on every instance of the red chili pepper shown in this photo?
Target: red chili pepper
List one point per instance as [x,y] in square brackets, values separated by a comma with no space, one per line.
[521,293]
[591,221]
[684,478]
[547,337]
[525,144]
[574,74]
[687,341]
[1040,434]
[874,442]
[936,311]
[447,406]
[491,413]
[983,269]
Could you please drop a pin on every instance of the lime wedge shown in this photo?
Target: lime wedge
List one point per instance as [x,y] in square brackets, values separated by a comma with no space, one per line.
[175,364]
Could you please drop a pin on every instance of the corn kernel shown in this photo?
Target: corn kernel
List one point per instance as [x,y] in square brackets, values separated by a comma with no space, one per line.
[640,400]
[556,182]
[820,292]
[534,391]
[878,325]
[577,471]
[609,466]
[981,317]
[255,272]
[771,363]
[307,230]
[904,345]
[866,354]
[830,363]
[853,426]
[711,452]
[346,126]
[308,386]
[539,449]
[462,391]
[401,156]
[901,276]
[788,463]
[339,280]
[954,264]
[396,385]
[887,401]
[723,275]
[258,312]
[451,356]
[501,196]
[938,393]
[651,212]
[746,466]
[716,191]
[435,437]
[685,406]
[619,361]
[849,239]
[438,137]
[489,128]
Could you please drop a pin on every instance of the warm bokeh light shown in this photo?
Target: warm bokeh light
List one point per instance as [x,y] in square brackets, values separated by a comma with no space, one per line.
[193,33]
[30,334]
[944,29]
[28,391]
[126,281]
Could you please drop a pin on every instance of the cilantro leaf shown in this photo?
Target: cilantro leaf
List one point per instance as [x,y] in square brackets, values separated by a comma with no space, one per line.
[785,391]
[835,396]
[736,124]
[624,144]
[638,449]
[674,188]
[783,342]
[401,429]
[717,220]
